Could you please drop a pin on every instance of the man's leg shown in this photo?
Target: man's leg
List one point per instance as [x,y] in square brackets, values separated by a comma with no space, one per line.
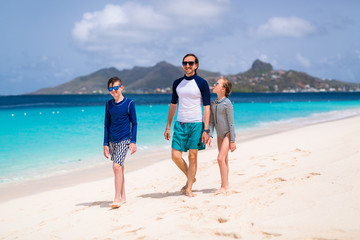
[176,156]
[191,171]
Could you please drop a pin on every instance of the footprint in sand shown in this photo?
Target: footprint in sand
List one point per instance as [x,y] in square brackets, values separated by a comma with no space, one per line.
[305,152]
[310,175]
[271,234]
[227,193]
[121,227]
[134,231]
[239,173]
[276,180]
[231,235]
[222,220]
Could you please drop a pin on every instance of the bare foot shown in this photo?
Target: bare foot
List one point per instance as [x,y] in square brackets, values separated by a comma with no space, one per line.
[183,189]
[189,193]
[117,204]
[222,190]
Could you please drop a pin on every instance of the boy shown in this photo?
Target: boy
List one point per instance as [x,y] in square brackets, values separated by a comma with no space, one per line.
[119,135]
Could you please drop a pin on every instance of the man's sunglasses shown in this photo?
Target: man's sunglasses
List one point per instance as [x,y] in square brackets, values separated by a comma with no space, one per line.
[114,88]
[186,63]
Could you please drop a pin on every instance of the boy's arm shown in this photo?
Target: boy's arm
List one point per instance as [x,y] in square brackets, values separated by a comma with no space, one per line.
[133,121]
[106,126]
[106,132]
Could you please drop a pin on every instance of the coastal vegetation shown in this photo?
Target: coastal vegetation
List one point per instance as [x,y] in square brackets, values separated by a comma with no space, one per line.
[261,77]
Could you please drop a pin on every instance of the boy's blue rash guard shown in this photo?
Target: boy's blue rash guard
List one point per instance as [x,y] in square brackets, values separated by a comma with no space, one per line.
[117,121]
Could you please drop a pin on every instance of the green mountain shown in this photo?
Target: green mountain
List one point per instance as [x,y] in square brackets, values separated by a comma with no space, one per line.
[158,78]
[261,77]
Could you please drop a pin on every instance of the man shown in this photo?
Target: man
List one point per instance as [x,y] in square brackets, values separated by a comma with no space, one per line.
[191,133]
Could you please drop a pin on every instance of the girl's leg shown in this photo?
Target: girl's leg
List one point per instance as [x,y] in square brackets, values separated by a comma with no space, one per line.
[223,146]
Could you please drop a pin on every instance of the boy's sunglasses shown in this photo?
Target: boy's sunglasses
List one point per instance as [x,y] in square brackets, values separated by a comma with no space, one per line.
[186,63]
[114,88]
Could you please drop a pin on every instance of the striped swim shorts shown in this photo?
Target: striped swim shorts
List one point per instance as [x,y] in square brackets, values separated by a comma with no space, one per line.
[118,151]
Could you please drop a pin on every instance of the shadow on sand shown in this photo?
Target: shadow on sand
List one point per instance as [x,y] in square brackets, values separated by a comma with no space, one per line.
[177,193]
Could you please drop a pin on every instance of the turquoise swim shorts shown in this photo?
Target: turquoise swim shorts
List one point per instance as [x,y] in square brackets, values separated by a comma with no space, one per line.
[187,136]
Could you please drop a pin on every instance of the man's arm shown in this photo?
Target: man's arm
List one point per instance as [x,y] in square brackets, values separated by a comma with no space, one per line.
[206,116]
[205,135]
[172,111]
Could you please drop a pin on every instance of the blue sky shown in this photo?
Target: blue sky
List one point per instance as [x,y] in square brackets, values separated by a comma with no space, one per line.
[47,43]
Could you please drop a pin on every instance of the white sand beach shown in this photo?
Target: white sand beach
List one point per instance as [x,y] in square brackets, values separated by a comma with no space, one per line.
[298,184]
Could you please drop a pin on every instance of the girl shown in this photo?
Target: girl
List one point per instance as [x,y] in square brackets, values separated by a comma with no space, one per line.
[222,118]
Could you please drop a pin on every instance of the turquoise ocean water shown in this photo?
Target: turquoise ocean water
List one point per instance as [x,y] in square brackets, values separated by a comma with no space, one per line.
[43,135]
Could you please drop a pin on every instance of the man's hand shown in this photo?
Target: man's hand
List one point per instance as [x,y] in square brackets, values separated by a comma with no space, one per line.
[167,134]
[205,138]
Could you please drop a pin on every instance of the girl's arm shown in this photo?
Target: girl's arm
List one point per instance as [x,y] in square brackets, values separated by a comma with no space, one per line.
[230,117]
[211,126]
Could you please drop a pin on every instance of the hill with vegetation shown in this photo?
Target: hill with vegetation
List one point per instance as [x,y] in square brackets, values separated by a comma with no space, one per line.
[261,77]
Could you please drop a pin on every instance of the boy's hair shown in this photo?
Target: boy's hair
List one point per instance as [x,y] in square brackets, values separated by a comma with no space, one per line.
[113,80]
[196,60]
[228,86]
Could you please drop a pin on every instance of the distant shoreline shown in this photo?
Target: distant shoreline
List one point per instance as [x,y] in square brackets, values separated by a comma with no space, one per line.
[169,92]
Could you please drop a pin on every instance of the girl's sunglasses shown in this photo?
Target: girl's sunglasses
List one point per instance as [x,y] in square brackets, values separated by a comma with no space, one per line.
[114,88]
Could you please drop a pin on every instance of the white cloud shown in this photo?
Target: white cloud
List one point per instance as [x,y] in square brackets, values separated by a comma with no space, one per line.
[195,11]
[141,33]
[286,27]
[127,21]
[304,61]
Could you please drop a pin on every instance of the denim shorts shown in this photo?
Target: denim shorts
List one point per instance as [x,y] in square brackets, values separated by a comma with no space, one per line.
[187,136]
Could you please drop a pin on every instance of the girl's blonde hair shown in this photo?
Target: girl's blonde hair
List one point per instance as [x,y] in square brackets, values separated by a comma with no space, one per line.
[227,85]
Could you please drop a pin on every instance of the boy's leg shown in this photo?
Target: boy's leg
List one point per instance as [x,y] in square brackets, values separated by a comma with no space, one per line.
[118,175]
[191,171]
[223,146]
[123,195]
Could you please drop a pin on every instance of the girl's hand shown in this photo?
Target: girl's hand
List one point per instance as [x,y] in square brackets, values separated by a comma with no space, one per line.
[232,146]
[106,151]
[133,148]
[209,142]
